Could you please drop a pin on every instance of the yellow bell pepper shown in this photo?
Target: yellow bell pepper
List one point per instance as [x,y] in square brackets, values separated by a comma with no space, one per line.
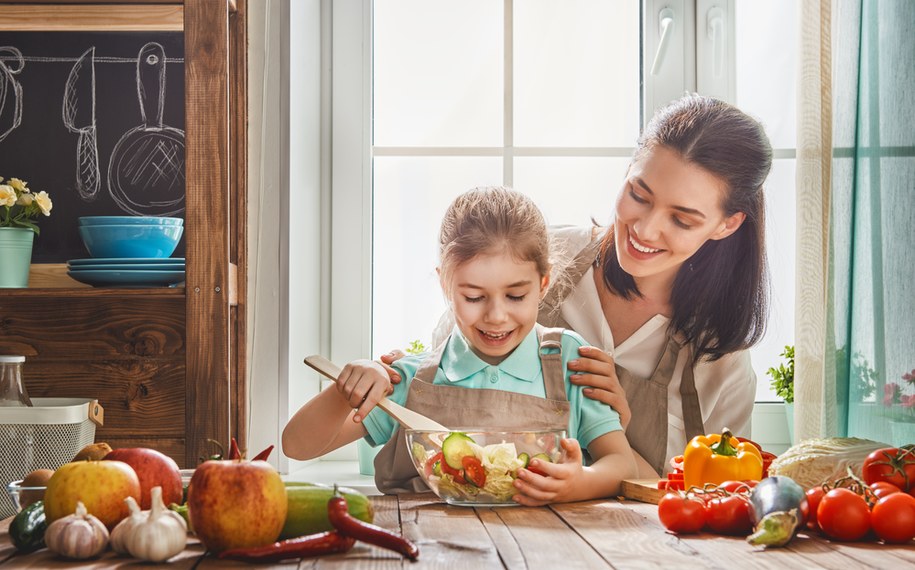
[716,458]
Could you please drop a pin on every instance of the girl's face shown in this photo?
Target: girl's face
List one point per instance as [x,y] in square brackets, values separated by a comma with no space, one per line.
[495,299]
[667,209]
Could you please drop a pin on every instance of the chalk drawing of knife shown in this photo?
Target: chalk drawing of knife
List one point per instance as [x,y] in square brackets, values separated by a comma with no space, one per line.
[79,117]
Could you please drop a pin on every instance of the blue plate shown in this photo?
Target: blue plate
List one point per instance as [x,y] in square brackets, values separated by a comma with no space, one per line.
[130,267]
[124,261]
[134,278]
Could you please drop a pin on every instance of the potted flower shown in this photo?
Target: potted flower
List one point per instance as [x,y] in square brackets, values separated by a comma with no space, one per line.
[899,401]
[19,210]
[783,384]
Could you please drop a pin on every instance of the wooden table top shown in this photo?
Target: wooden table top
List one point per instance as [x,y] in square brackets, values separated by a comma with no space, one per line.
[594,534]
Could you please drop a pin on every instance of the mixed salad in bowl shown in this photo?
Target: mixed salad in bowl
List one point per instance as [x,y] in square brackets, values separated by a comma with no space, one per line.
[477,468]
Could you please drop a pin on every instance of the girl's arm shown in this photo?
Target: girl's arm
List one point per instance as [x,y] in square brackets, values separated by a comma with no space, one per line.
[571,481]
[334,417]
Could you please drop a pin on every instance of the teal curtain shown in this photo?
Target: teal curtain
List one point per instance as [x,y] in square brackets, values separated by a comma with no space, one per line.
[871,284]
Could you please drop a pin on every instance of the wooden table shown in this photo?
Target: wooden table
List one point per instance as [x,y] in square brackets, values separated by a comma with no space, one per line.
[594,534]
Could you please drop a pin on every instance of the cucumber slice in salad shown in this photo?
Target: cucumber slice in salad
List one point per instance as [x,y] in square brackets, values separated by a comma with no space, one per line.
[455,447]
[525,458]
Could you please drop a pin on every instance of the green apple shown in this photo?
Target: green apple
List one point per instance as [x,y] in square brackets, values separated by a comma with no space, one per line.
[102,486]
[236,504]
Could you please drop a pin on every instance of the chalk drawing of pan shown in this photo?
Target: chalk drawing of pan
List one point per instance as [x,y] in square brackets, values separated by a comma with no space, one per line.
[146,170]
[79,117]
[10,90]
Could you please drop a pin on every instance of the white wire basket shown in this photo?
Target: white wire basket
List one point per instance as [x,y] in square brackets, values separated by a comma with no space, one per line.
[44,436]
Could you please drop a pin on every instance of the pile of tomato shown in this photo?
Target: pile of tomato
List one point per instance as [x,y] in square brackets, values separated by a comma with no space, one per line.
[878,505]
[882,501]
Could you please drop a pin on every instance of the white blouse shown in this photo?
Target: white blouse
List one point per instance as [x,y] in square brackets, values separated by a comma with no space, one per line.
[726,387]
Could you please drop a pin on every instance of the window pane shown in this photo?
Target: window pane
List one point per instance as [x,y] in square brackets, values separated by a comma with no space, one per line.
[593,182]
[411,195]
[438,73]
[576,73]
[766,64]
[780,238]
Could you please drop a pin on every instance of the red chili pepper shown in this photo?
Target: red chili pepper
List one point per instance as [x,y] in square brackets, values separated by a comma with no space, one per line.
[318,544]
[263,455]
[234,453]
[338,514]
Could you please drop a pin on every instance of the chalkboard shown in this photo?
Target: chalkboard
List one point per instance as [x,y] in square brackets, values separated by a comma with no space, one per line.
[96,119]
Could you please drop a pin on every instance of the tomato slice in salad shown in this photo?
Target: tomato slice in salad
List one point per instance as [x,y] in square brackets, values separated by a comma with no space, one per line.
[457,474]
[473,470]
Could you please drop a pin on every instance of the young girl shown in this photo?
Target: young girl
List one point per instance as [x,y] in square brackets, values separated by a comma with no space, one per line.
[494,270]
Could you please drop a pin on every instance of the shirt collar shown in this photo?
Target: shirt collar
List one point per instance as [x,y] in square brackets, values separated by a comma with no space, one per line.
[459,362]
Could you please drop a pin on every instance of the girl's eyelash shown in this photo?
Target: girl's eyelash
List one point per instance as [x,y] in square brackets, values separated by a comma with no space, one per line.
[636,197]
[516,297]
[473,299]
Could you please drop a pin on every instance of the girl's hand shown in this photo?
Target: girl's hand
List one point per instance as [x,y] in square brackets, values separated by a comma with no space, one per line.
[391,358]
[559,483]
[595,369]
[363,383]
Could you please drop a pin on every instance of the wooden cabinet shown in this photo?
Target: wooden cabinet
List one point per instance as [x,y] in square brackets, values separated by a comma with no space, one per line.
[167,364]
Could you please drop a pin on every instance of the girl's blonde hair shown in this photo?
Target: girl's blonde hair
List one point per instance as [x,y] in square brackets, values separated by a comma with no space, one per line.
[492,219]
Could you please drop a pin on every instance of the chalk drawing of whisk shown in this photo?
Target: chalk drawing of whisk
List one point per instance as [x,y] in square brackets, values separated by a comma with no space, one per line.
[10,90]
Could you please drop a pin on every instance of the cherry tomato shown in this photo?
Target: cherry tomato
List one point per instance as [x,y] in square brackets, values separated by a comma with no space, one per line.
[895,465]
[844,515]
[893,517]
[882,489]
[430,464]
[473,470]
[729,515]
[814,496]
[680,514]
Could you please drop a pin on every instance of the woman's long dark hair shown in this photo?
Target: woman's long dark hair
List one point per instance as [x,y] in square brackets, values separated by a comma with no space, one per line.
[720,295]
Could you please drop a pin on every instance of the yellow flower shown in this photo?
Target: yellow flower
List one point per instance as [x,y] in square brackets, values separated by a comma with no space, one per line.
[25,200]
[44,202]
[18,184]
[7,195]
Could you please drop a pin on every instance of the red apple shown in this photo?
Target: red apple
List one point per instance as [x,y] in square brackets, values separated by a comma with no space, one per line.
[102,486]
[236,504]
[155,469]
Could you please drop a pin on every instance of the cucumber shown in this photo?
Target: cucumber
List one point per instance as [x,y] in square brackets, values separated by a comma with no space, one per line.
[307,512]
[456,447]
[525,458]
[543,457]
[27,528]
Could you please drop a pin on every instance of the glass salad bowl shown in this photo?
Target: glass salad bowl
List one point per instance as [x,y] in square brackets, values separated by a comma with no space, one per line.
[477,468]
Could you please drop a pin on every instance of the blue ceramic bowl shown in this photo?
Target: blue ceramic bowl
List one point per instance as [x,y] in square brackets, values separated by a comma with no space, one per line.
[129,220]
[131,240]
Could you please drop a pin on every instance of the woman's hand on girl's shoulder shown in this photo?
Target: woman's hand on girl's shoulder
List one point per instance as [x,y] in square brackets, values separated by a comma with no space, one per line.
[596,370]
[544,483]
[363,383]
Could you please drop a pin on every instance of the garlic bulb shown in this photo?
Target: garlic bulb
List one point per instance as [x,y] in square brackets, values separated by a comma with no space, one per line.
[159,536]
[122,531]
[78,536]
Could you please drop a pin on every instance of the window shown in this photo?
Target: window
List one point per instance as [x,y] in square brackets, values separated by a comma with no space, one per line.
[432,98]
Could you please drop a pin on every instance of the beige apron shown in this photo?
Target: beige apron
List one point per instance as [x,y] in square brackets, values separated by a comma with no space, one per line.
[459,407]
[647,397]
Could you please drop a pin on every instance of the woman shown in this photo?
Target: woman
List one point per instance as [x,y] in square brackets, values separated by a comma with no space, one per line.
[676,289]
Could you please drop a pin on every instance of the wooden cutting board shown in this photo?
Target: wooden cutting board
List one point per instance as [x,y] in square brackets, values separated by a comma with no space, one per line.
[644,490]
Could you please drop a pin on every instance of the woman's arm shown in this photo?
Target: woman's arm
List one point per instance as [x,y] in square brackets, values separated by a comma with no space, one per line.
[569,480]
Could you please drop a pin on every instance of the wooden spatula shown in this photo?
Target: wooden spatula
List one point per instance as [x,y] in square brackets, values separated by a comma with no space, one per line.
[406,418]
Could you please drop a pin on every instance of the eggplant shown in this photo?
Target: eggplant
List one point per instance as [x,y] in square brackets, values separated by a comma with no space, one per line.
[778,507]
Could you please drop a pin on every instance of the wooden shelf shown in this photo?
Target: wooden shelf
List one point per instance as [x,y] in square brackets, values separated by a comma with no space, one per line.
[82,292]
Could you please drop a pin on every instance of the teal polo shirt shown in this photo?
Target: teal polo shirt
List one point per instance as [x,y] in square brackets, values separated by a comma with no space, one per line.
[520,372]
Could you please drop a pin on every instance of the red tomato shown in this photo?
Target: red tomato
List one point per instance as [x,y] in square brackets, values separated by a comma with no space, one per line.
[882,489]
[814,496]
[893,465]
[473,470]
[893,518]
[456,473]
[729,515]
[844,515]
[735,486]
[430,464]
[681,514]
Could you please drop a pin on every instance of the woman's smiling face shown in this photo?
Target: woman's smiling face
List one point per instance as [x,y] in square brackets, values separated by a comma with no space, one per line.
[667,209]
[495,299]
